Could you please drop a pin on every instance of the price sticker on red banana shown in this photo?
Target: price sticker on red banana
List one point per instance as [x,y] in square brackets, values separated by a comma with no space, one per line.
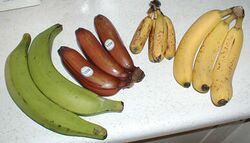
[109,44]
[87,71]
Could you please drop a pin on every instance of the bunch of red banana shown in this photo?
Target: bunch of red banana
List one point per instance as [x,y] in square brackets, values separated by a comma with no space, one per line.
[108,66]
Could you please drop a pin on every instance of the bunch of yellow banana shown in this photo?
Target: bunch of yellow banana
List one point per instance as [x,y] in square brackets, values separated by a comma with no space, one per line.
[161,33]
[222,75]
[218,49]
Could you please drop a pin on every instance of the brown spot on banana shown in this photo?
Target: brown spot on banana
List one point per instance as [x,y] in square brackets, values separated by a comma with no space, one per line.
[158,38]
[141,35]
[171,39]
[151,42]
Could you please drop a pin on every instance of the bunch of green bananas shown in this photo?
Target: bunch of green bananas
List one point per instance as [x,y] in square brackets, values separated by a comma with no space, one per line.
[159,30]
[46,96]
[218,47]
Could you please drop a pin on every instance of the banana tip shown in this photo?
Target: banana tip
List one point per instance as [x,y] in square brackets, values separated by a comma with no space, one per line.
[137,75]
[170,58]
[58,25]
[158,59]
[101,133]
[98,16]
[27,35]
[222,102]
[186,84]
[79,30]
[105,136]
[134,50]
[122,106]
[205,87]
[59,51]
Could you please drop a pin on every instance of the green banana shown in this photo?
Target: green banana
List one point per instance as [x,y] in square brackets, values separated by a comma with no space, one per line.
[56,87]
[35,105]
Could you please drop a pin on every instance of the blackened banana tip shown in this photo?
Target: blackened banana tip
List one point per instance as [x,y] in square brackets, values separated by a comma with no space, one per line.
[59,51]
[105,136]
[138,75]
[157,59]
[204,87]
[80,29]
[170,58]
[222,102]
[243,12]
[122,106]
[58,25]
[186,84]
[98,16]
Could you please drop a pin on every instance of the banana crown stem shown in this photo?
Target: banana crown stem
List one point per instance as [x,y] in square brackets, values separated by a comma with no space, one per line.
[230,19]
[238,11]
[27,38]
[226,12]
[238,23]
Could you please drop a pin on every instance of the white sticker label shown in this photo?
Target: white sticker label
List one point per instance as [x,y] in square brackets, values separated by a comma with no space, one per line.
[109,44]
[86,71]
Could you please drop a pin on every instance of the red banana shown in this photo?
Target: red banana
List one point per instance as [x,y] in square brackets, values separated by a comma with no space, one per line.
[98,55]
[89,75]
[101,92]
[112,41]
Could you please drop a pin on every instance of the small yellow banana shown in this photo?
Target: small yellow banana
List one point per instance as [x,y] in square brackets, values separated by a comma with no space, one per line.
[150,43]
[171,40]
[141,35]
[183,61]
[165,34]
[156,38]
[221,89]
[203,67]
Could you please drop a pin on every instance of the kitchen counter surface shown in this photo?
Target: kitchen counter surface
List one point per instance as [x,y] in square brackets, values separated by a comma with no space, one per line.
[155,107]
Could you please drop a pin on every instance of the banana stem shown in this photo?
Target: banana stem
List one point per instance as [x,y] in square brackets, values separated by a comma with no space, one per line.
[238,23]
[230,19]
[239,11]
[226,12]
[155,4]
[113,106]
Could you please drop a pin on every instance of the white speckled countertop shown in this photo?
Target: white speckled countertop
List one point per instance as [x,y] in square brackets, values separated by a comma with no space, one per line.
[156,106]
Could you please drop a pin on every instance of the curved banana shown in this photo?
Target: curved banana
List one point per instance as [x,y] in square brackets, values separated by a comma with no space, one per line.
[171,40]
[141,35]
[157,38]
[165,35]
[221,88]
[87,74]
[204,62]
[34,104]
[150,42]
[189,44]
[56,87]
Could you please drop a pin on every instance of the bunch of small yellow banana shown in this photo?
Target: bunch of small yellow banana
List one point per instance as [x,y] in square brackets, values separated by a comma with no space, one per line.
[218,48]
[160,30]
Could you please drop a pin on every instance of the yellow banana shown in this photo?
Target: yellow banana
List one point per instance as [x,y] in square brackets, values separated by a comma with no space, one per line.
[165,34]
[192,39]
[156,38]
[171,40]
[221,88]
[141,35]
[204,62]
[150,43]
